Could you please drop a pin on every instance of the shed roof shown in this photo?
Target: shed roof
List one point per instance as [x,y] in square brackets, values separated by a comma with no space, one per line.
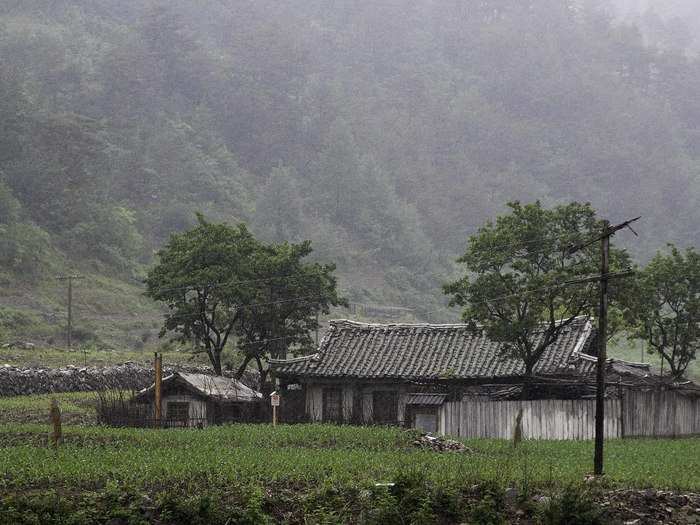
[216,387]
[427,352]
[426,399]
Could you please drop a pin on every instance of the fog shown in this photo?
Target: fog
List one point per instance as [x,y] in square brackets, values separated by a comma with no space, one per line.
[385,131]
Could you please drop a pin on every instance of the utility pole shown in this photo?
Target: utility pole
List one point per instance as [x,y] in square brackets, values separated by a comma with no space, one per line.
[602,350]
[605,275]
[317,326]
[70,279]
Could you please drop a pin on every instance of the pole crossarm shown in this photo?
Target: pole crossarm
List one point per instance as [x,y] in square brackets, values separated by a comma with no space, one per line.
[594,278]
[608,231]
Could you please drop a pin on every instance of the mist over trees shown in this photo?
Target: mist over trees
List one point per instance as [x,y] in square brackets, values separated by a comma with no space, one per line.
[666,24]
[386,132]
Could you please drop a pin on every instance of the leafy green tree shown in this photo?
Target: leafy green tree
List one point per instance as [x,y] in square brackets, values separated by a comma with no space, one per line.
[288,301]
[205,276]
[219,283]
[665,309]
[516,269]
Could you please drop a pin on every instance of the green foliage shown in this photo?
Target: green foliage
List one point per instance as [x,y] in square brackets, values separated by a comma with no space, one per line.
[514,289]
[307,122]
[9,205]
[487,512]
[220,282]
[203,276]
[664,309]
[572,507]
[318,473]
[22,245]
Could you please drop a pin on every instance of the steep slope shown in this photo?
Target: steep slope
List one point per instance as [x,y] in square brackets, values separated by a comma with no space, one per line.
[384,131]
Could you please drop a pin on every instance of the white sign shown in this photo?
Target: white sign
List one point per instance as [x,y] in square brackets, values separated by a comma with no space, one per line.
[275,399]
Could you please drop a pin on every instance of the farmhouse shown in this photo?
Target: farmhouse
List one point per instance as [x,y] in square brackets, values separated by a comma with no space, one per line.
[448,379]
[199,400]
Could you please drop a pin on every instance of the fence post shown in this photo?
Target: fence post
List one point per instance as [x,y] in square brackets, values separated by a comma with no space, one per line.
[158,365]
[672,397]
[57,435]
[621,395]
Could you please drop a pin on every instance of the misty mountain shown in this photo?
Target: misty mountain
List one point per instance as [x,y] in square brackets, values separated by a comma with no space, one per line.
[665,24]
[385,131]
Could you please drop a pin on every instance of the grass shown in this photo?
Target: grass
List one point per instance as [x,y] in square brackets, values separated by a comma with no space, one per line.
[76,407]
[91,356]
[312,454]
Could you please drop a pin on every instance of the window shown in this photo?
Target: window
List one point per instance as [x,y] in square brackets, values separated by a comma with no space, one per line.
[385,407]
[426,419]
[332,405]
[178,411]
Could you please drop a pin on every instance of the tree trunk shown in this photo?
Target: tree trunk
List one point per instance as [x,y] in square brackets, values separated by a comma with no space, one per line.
[244,365]
[216,361]
[525,395]
[262,372]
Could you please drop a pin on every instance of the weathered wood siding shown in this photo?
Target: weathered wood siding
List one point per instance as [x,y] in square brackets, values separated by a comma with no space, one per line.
[542,419]
[638,413]
[660,414]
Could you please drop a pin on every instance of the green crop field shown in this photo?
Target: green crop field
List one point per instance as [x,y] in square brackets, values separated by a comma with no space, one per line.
[76,407]
[297,473]
[316,453]
[306,467]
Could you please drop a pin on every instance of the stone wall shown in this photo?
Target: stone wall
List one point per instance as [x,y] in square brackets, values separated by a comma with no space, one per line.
[16,381]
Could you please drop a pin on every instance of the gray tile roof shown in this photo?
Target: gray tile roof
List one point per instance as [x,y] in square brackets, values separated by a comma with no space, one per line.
[423,351]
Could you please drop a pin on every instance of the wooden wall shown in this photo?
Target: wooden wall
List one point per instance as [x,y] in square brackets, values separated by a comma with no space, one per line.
[542,419]
[638,413]
[660,414]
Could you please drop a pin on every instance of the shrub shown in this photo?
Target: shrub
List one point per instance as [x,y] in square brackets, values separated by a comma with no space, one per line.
[572,507]
[487,512]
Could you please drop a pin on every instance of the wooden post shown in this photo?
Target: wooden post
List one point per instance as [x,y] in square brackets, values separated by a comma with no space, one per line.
[70,313]
[621,395]
[57,435]
[275,402]
[158,365]
[70,279]
[602,350]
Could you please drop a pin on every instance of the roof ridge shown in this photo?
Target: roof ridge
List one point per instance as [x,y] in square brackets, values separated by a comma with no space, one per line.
[335,322]
[339,322]
[290,360]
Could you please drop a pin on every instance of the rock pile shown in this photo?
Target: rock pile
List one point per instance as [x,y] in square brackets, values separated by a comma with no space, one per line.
[642,507]
[16,381]
[22,345]
[439,444]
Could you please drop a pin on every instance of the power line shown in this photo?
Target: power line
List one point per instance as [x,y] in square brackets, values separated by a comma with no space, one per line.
[552,287]
[299,299]
[493,249]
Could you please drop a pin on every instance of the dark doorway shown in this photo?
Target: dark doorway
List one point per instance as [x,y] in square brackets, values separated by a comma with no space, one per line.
[332,405]
[385,407]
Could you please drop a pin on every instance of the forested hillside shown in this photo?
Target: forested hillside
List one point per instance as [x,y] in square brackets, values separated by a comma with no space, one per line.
[668,24]
[385,131]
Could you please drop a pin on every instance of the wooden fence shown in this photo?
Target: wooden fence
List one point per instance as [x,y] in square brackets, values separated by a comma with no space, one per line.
[660,414]
[637,413]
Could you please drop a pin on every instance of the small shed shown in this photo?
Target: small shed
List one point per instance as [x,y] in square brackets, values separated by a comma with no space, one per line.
[197,400]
